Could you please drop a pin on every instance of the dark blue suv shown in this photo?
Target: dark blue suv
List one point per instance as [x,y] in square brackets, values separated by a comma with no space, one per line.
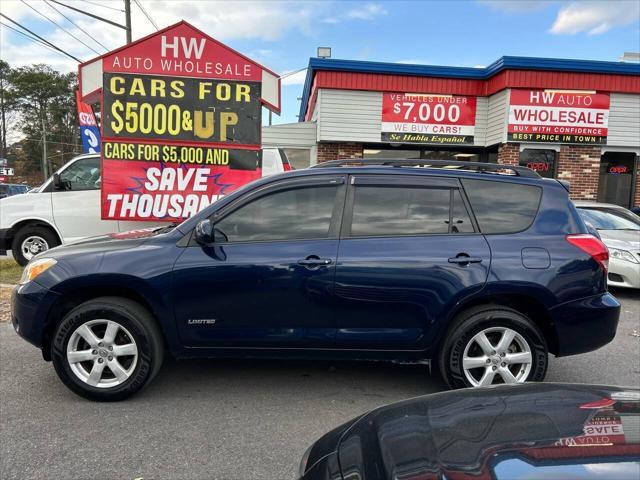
[481,269]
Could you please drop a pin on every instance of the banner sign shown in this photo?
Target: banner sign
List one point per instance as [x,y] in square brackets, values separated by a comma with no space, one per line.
[558,117]
[194,109]
[166,181]
[181,123]
[89,131]
[428,118]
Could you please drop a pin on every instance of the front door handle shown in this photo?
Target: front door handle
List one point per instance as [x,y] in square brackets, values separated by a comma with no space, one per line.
[464,259]
[313,261]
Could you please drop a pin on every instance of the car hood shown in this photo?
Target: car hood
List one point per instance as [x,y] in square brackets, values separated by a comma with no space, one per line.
[105,243]
[624,239]
[470,432]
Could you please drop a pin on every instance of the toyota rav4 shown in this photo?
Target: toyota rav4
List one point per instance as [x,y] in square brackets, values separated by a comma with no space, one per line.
[482,270]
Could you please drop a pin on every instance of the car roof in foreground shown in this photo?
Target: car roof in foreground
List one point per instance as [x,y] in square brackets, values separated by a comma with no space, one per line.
[474,431]
[471,170]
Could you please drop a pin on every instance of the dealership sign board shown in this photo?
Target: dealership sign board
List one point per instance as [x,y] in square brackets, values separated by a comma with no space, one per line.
[428,118]
[89,131]
[181,122]
[555,116]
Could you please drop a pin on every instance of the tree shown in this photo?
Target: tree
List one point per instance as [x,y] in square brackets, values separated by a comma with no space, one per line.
[45,99]
[7,105]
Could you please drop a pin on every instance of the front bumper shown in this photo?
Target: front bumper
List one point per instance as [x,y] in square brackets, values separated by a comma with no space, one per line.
[623,273]
[30,307]
[585,325]
[6,237]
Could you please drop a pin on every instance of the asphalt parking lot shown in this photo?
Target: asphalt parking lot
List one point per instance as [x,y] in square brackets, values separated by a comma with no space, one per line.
[225,419]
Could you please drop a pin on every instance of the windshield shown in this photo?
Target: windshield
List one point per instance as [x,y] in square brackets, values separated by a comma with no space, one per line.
[603,219]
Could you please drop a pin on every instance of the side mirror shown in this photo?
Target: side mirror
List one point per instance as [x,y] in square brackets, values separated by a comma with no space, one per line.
[57,184]
[204,232]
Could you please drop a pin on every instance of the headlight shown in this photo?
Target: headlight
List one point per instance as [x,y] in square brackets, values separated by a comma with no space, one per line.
[305,459]
[35,268]
[622,255]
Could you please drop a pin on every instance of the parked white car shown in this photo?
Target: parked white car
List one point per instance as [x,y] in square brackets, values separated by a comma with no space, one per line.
[619,229]
[49,215]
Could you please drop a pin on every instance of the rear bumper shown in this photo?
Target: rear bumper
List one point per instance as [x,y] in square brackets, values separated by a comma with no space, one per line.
[585,325]
[30,306]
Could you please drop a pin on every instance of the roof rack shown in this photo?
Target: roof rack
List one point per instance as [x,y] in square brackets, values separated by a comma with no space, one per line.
[426,163]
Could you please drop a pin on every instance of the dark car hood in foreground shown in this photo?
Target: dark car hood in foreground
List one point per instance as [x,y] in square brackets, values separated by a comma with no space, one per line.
[509,432]
[105,243]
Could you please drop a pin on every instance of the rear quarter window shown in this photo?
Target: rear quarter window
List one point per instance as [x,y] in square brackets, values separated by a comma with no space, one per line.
[502,207]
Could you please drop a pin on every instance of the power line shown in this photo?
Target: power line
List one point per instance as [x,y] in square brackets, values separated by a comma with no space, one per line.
[60,27]
[76,25]
[104,6]
[41,38]
[146,14]
[33,39]
[48,141]
[97,17]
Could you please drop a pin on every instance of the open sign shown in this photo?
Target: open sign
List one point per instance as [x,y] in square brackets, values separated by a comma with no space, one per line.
[539,166]
[618,169]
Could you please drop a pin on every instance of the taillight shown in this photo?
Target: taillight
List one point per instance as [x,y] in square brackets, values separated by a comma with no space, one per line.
[593,246]
[286,166]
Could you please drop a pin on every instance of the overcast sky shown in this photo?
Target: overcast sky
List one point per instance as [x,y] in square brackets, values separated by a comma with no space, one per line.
[283,35]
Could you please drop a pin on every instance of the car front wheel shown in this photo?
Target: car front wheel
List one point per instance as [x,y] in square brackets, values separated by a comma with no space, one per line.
[107,349]
[493,345]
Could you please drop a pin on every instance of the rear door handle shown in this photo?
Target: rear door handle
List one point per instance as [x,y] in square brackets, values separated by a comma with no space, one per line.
[464,259]
[314,261]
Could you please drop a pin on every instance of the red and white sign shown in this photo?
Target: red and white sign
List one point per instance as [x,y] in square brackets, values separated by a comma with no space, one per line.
[601,430]
[558,116]
[181,122]
[182,51]
[428,118]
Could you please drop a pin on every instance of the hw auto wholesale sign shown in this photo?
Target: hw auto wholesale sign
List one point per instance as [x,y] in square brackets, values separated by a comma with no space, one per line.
[558,116]
[181,123]
[428,118]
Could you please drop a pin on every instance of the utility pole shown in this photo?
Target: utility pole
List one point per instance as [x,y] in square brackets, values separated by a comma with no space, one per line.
[127,19]
[44,144]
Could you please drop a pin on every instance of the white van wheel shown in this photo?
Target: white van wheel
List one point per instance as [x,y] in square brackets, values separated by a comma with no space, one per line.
[33,245]
[31,240]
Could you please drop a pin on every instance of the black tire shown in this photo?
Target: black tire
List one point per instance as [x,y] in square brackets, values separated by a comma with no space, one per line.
[471,322]
[138,322]
[45,233]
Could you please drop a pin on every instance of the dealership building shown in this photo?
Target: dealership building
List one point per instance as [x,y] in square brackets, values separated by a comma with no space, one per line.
[574,120]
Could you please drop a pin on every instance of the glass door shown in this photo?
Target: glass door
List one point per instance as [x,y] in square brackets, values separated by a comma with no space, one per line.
[617,170]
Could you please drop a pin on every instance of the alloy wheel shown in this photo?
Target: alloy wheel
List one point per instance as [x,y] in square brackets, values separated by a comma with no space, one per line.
[102,353]
[496,355]
[33,245]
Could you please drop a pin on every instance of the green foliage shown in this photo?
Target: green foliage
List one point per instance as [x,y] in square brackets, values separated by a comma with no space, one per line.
[44,98]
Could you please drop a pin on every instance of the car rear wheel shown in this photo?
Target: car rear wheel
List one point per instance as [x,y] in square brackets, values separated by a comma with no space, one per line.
[107,349]
[31,240]
[493,345]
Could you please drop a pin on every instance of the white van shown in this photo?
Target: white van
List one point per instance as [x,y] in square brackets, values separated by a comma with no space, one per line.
[50,215]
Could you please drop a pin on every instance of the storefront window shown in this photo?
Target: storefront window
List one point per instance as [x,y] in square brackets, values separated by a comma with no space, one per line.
[541,161]
[422,154]
[616,178]
[299,158]
[390,153]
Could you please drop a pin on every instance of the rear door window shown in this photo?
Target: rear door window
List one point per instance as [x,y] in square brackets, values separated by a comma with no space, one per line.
[502,207]
[407,210]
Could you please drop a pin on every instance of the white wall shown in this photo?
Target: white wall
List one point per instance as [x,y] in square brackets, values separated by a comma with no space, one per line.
[624,120]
